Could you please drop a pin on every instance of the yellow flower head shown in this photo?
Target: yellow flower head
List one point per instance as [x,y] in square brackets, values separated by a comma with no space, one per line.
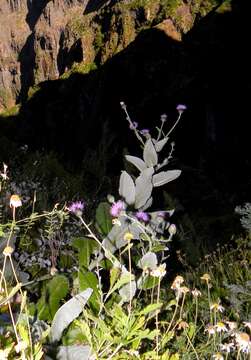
[206,277]
[128,236]
[15,201]
[8,250]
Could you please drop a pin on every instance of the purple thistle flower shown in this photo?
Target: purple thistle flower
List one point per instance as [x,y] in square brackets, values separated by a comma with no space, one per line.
[116,208]
[144,132]
[143,216]
[163,117]
[77,207]
[181,108]
[134,125]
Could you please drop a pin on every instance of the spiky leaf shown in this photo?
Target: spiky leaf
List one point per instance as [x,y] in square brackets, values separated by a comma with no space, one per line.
[143,187]
[137,162]
[127,188]
[68,312]
[165,176]
[150,155]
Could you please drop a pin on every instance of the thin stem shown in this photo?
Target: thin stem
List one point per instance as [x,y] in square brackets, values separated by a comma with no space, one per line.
[157,320]
[191,344]
[174,314]
[130,277]
[174,126]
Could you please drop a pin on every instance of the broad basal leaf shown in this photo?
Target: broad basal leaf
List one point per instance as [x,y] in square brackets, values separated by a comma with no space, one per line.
[165,176]
[68,312]
[137,162]
[143,188]
[150,155]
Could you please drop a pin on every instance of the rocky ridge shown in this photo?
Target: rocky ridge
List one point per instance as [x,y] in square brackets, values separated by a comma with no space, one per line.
[41,40]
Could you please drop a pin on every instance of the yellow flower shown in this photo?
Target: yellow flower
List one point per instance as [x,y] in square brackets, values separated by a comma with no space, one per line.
[177,282]
[217,307]
[218,356]
[8,250]
[243,342]
[183,325]
[221,327]
[206,277]
[128,236]
[15,201]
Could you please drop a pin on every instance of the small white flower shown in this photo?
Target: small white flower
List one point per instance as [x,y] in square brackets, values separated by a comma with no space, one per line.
[247,324]
[196,293]
[217,307]
[221,327]
[210,329]
[160,271]
[228,347]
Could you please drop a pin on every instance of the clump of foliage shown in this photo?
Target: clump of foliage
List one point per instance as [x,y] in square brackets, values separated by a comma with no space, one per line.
[100,289]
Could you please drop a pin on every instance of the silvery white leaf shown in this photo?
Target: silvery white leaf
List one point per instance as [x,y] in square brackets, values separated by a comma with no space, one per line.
[128,291]
[149,261]
[68,312]
[75,352]
[150,156]
[160,144]
[143,187]
[165,176]
[127,188]
[147,204]
[139,163]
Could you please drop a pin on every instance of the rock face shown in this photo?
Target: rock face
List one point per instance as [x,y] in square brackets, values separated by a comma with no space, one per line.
[32,34]
[41,39]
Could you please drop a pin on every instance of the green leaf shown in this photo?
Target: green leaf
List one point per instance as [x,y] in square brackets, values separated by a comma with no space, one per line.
[53,292]
[150,155]
[147,282]
[87,280]
[166,338]
[103,218]
[140,164]
[143,188]
[75,352]
[127,188]
[114,275]
[67,313]
[150,308]
[85,247]
[165,177]
[124,279]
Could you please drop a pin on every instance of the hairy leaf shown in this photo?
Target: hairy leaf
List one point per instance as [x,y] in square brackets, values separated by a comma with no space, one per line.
[137,162]
[127,188]
[160,144]
[75,352]
[165,176]
[68,312]
[148,261]
[143,188]
[150,155]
